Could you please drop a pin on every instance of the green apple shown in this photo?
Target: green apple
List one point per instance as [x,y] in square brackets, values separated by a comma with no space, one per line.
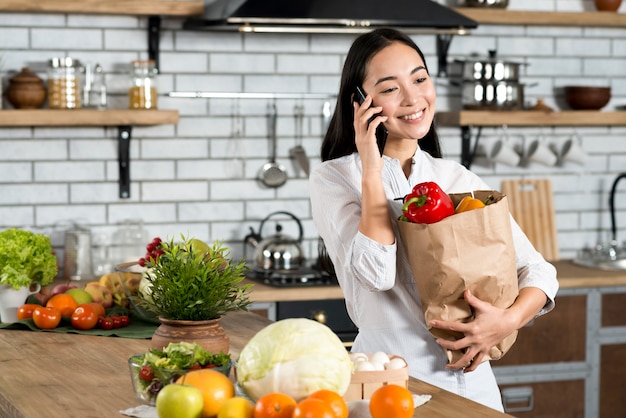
[179,401]
[81,296]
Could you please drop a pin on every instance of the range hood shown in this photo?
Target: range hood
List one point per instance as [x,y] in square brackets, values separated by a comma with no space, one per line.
[330,16]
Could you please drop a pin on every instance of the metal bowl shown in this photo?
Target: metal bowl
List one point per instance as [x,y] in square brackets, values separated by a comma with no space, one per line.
[587,97]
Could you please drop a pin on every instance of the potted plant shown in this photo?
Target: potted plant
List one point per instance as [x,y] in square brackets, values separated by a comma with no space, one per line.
[190,285]
[27,263]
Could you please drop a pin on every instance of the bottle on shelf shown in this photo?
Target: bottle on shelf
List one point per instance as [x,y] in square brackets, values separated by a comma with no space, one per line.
[95,88]
[143,91]
[65,83]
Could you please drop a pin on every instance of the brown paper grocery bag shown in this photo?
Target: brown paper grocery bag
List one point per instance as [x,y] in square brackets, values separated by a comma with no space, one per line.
[472,249]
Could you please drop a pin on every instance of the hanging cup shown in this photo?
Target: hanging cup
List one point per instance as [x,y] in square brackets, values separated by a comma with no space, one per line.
[572,151]
[539,152]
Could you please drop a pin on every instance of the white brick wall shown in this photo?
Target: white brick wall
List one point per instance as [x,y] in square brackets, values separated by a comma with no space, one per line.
[181,178]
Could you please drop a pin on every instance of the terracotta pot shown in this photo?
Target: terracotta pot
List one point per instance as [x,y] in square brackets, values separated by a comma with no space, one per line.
[608,5]
[26,90]
[209,334]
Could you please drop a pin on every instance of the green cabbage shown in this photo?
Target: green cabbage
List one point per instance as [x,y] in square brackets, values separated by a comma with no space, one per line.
[295,356]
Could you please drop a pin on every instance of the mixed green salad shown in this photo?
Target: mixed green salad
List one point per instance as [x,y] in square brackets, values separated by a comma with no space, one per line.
[156,368]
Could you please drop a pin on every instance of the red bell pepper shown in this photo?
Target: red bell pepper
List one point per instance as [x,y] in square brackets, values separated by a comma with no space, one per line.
[427,204]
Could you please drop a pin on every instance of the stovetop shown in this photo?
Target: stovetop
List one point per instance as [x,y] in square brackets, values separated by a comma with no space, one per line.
[301,277]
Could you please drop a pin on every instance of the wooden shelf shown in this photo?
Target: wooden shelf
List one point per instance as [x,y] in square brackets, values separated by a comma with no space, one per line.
[542,18]
[87,117]
[531,118]
[113,7]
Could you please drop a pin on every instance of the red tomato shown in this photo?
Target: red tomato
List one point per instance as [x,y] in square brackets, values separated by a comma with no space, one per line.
[26,310]
[106,323]
[84,317]
[46,318]
[125,320]
[117,322]
[146,374]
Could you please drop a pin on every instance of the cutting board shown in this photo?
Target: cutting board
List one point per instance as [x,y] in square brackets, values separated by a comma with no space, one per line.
[532,205]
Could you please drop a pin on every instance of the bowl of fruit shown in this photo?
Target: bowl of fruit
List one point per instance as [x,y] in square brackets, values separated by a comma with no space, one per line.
[131,276]
[152,370]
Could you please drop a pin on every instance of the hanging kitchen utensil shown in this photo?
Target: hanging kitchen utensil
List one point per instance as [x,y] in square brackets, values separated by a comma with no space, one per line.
[297,152]
[236,152]
[326,115]
[272,174]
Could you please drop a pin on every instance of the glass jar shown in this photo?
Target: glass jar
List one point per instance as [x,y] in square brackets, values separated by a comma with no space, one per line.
[143,91]
[64,83]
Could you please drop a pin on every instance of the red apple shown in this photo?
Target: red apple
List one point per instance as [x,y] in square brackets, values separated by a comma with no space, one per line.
[100,294]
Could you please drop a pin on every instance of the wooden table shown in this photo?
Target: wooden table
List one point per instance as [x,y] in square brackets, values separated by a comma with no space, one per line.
[49,375]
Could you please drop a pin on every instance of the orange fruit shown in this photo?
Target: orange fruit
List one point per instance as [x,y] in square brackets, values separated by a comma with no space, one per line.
[215,387]
[98,308]
[334,399]
[392,401]
[313,408]
[274,405]
[65,304]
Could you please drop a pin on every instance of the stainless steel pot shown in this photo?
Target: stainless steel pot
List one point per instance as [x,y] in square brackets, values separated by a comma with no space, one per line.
[279,251]
[500,4]
[490,68]
[501,95]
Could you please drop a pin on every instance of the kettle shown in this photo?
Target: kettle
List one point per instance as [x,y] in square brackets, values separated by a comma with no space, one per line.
[279,251]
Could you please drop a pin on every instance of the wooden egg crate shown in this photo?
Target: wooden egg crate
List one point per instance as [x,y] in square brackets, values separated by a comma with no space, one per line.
[364,383]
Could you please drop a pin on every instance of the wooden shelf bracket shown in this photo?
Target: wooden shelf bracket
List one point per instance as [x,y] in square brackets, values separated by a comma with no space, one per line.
[154,34]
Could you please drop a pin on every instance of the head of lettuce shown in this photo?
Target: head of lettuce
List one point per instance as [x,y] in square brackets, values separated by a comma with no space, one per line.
[26,258]
[295,356]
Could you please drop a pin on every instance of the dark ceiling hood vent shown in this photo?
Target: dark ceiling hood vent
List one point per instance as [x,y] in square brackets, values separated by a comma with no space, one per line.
[330,16]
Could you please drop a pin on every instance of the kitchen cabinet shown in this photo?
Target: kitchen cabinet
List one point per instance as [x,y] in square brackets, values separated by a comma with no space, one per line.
[569,363]
[612,372]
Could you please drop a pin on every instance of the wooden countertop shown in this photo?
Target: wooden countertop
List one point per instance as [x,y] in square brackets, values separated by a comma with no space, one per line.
[49,375]
[569,274]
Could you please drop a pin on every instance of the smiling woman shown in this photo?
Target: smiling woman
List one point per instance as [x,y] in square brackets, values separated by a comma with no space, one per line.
[355,209]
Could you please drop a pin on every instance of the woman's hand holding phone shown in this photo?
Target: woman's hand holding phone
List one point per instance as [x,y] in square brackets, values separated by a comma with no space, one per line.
[381,132]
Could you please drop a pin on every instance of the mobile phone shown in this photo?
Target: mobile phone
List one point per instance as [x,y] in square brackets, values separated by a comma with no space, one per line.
[381,131]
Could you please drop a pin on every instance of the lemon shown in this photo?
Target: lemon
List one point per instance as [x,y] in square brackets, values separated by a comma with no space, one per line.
[237,407]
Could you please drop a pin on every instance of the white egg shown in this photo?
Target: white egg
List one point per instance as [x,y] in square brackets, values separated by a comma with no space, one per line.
[395,363]
[378,366]
[379,357]
[364,366]
[356,357]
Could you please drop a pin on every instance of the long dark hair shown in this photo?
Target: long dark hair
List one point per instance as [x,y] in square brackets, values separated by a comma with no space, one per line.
[339,138]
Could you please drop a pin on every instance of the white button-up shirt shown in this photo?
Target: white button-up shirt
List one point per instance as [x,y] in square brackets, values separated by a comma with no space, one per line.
[381,296]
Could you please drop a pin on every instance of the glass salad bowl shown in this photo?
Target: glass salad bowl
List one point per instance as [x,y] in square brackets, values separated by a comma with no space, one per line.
[151,371]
